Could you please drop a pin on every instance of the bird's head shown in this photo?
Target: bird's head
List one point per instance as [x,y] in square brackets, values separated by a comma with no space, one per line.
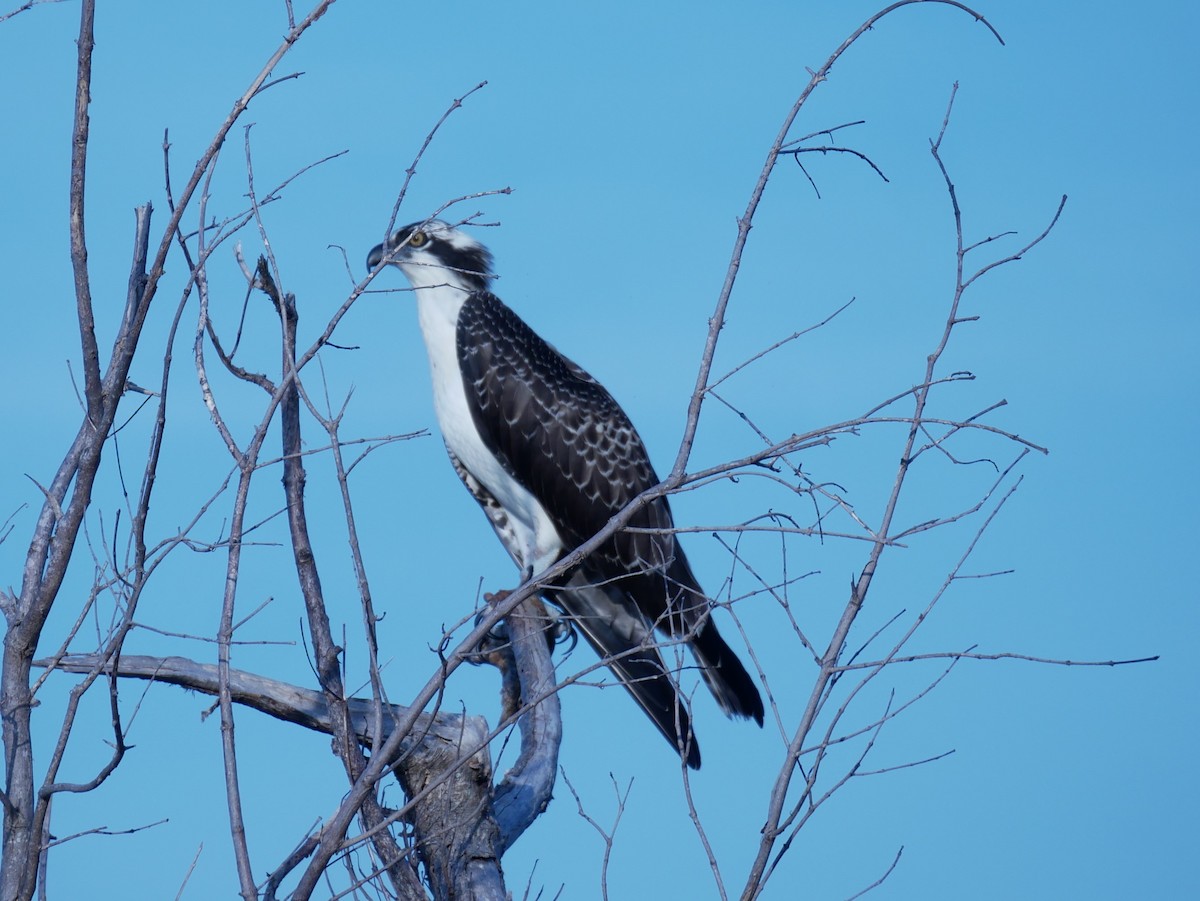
[433,253]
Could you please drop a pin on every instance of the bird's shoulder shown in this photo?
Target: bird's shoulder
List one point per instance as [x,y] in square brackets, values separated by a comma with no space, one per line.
[545,416]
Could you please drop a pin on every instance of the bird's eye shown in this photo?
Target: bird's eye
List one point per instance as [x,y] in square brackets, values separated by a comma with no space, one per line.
[418,239]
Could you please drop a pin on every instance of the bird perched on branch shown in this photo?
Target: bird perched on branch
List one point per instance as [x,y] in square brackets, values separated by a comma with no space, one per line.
[551,458]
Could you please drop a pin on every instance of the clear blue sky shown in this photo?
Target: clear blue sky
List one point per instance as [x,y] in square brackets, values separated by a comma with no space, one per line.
[631,135]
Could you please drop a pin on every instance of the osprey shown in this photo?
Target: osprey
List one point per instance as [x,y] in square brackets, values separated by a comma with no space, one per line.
[551,458]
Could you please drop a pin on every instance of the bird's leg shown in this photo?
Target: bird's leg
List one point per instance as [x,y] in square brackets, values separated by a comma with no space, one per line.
[496,648]
[559,629]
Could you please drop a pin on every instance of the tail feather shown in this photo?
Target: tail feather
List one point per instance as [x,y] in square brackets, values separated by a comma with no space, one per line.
[615,617]
[690,618]
[725,675]
[620,634]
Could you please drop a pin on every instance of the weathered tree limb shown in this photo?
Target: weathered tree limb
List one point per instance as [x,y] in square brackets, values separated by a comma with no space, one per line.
[463,825]
[445,757]
[525,791]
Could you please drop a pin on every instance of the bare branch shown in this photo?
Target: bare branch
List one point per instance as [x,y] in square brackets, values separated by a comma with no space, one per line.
[608,835]
[79,256]
[27,5]
[717,320]
[1004,655]
[778,344]
[878,882]
[280,700]
[412,167]
[104,830]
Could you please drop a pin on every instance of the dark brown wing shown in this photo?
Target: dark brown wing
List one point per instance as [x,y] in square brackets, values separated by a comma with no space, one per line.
[561,435]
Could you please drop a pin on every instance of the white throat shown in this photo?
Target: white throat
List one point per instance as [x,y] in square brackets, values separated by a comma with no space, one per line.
[441,293]
[437,314]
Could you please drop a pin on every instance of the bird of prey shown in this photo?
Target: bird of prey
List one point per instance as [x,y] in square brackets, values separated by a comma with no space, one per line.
[551,458]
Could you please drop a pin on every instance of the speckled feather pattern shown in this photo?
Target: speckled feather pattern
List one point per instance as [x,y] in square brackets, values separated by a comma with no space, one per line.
[559,433]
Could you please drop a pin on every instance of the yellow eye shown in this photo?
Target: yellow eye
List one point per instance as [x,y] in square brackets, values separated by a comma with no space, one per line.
[418,239]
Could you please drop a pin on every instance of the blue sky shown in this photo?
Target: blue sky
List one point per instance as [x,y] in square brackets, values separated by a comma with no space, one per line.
[631,137]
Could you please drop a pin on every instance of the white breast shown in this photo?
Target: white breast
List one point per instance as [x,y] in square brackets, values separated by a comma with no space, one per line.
[536,542]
